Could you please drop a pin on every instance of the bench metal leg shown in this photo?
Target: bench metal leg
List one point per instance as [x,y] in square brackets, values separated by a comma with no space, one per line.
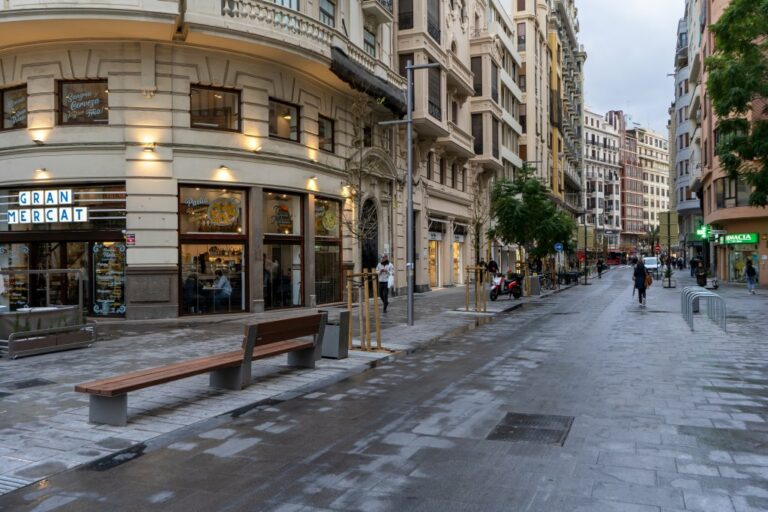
[302,358]
[227,378]
[109,410]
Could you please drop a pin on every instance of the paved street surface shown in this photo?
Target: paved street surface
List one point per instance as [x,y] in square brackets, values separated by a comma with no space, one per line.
[630,411]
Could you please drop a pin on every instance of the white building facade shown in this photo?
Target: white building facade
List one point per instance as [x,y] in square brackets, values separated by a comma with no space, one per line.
[603,180]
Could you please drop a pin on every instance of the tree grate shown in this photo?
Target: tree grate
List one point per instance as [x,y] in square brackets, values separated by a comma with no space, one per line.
[532,428]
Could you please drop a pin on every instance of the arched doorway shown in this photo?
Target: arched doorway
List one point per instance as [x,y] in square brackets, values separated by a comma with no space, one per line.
[370,235]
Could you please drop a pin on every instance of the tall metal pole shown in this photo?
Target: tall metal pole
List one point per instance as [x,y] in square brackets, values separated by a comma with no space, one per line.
[409,246]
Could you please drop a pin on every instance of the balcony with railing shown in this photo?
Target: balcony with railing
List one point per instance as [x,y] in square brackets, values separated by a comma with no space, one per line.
[379,10]
[457,142]
[458,75]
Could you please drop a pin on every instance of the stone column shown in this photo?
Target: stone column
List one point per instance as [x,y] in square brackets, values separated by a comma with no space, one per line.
[310,297]
[256,244]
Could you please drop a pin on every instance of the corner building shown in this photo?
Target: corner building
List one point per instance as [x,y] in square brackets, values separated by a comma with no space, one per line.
[204,143]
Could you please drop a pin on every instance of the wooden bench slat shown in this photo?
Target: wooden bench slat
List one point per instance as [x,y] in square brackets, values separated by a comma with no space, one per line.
[232,357]
[162,374]
[289,328]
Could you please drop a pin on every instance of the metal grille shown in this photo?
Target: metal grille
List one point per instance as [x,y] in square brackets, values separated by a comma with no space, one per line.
[532,428]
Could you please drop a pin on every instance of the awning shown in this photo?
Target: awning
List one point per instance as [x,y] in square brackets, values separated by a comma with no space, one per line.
[364,81]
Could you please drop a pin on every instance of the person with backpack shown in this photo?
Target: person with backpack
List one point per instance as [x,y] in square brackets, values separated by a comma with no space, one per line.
[643,280]
[385,272]
[751,275]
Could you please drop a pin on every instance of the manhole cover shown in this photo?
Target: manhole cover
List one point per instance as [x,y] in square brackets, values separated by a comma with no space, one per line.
[24,384]
[532,428]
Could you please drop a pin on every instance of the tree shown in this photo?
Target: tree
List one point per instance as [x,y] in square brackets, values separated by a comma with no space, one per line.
[525,214]
[652,237]
[738,86]
[480,214]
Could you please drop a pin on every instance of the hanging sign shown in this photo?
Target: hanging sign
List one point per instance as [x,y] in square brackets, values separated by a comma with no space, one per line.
[739,238]
[47,207]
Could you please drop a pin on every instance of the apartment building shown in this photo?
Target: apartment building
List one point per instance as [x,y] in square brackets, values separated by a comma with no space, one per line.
[465,117]
[653,161]
[725,201]
[686,114]
[633,224]
[566,105]
[602,192]
[163,148]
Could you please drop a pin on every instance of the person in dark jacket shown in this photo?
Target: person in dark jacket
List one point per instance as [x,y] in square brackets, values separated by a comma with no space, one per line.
[640,274]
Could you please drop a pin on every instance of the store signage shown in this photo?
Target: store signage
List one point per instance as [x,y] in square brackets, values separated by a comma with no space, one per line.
[739,238]
[130,239]
[47,207]
[703,232]
[434,235]
[458,238]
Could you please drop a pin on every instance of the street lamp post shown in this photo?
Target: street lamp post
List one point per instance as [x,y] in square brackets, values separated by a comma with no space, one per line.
[409,227]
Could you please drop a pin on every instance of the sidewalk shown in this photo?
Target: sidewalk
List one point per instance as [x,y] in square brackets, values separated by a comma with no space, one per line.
[44,425]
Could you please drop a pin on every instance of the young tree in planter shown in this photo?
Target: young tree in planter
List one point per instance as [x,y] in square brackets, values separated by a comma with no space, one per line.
[738,86]
[525,215]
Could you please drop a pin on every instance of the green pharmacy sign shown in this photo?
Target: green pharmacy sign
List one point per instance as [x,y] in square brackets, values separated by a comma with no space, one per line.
[703,232]
[739,238]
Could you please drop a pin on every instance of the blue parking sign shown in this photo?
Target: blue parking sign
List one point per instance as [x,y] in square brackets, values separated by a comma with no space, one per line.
[559,247]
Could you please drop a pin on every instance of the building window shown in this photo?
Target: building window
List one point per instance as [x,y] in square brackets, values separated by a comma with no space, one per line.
[283,120]
[443,171]
[328,12]
[495,137]
[328,265]
[325,134]
[435,102]
[455,112]
[494,82]
[433,19]
[14,102]
[521,37]
[291,4]
[454,172]
[214,109]
[477,132]
[83,102]
[405,15]
[463,180]
[429,166]
[477,71]
[369,42]
[523,117]
[520,5]
[282,254]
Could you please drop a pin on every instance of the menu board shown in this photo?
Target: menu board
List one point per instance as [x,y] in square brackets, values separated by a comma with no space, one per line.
[84,102]
[109,278]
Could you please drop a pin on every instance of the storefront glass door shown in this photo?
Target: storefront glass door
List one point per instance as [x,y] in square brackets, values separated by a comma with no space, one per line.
[282,275]
[108,278]
[457,274]
[434,263]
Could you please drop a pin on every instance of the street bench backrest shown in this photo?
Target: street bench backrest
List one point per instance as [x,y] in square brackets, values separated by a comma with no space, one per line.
[264,333]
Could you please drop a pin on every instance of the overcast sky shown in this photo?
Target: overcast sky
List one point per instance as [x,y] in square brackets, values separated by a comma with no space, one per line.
[630,48]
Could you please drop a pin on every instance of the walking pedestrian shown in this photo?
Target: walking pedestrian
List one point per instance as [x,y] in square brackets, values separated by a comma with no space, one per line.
[600,268]
[384,270]
[642,281]
[751,274]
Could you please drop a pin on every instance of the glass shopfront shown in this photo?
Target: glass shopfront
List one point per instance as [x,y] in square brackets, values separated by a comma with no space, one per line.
[327,250]
[213,250]
[283,250]
[74,228]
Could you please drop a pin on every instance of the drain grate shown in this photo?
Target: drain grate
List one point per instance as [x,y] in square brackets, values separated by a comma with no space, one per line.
[532,428]
[25,384]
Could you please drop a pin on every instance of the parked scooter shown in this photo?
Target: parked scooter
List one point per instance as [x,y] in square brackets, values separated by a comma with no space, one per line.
[503,285]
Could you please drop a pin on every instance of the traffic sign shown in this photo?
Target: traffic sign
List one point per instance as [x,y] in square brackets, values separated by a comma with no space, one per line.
[559,247]
[658,249]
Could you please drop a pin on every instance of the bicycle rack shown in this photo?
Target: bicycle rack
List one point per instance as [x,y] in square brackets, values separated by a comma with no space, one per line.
[690,299]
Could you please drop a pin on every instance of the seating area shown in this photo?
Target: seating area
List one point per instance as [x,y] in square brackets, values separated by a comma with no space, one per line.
[301,338]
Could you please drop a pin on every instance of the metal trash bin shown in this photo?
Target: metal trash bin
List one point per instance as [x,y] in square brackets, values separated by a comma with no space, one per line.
[534,284]
[336,337]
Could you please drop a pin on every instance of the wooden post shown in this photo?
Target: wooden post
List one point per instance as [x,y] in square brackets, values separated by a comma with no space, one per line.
[366,296]
[349,308]
[477,307]
[377,320]
[360,313]
[466,290]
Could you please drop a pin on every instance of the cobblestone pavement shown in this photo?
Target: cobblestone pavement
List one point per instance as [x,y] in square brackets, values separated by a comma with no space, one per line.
[44,425]
[664,420]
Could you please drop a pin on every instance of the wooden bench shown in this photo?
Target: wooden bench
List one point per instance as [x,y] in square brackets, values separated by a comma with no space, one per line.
[228,370]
